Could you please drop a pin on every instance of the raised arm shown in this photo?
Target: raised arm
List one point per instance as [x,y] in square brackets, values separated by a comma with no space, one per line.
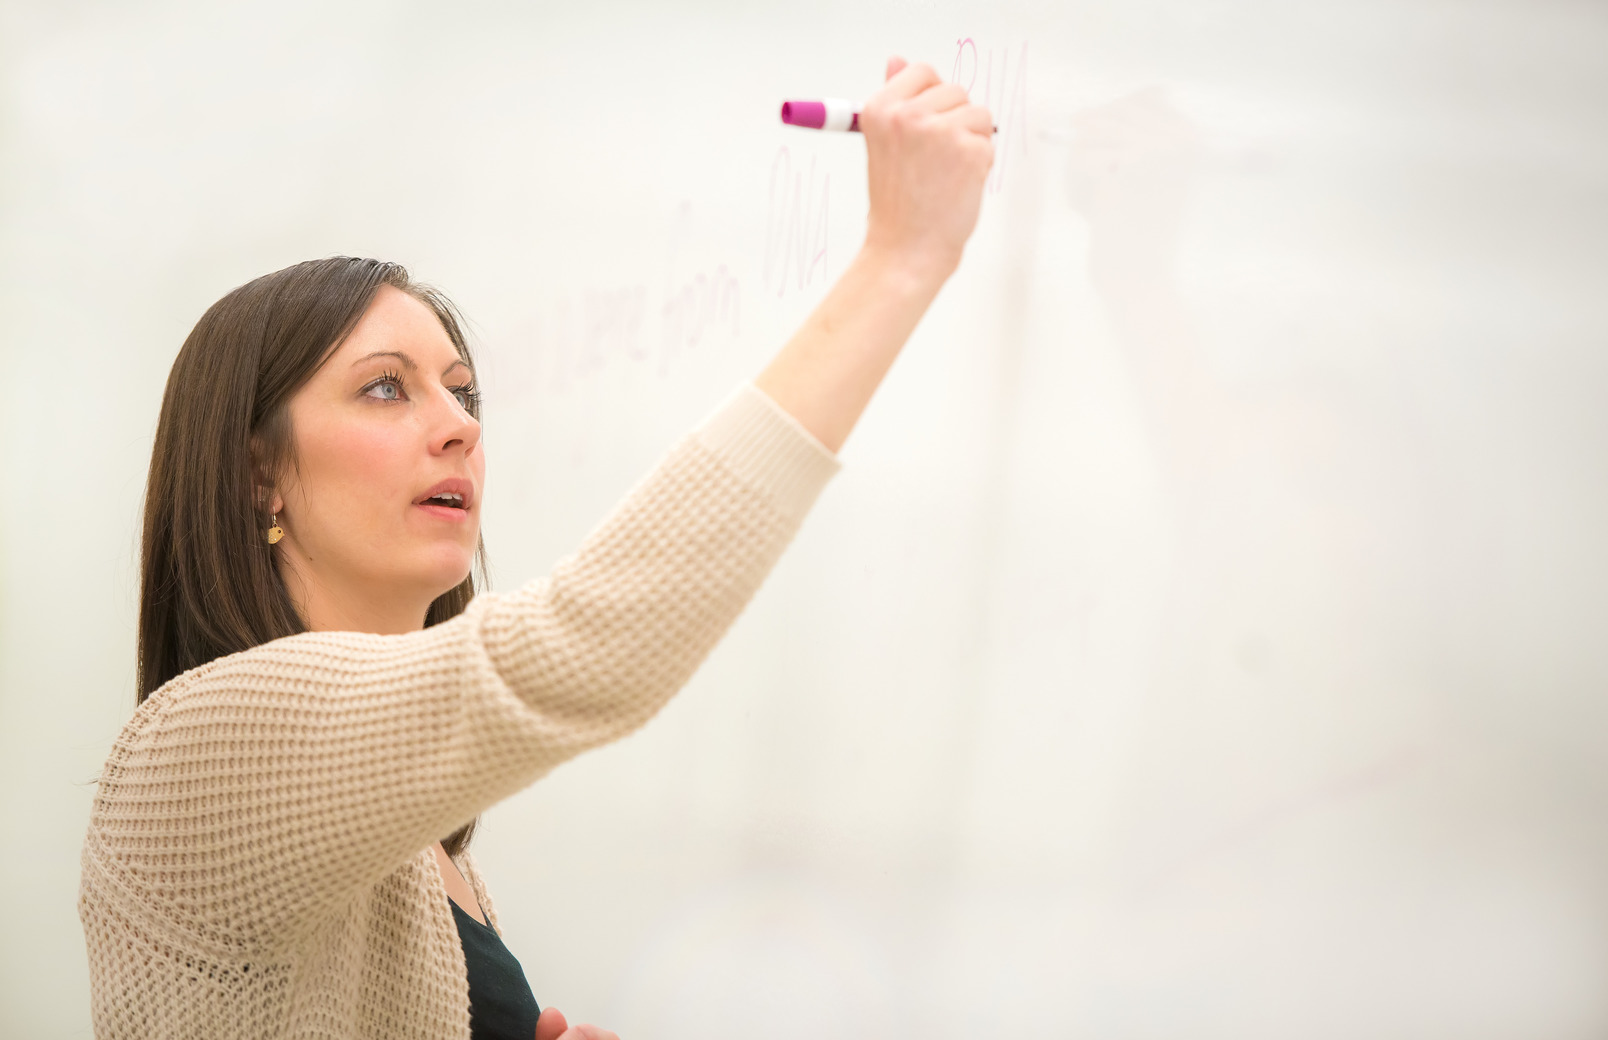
[928,154]
[248,798]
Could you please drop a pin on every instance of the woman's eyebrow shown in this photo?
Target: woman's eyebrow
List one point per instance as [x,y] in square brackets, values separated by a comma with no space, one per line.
[407,362]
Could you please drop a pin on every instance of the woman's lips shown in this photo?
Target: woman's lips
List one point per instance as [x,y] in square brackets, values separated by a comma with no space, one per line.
[462,488]
[450,513]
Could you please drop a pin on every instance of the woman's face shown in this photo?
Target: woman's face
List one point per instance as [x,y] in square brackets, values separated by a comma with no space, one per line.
[381,509]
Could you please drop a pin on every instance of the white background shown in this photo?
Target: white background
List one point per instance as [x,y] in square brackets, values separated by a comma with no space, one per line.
[1203,638]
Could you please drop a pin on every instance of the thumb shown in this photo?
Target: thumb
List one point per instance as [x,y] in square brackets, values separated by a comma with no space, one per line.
[551,1024]
[895,63]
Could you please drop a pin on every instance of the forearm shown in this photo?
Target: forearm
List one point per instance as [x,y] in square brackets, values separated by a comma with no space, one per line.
[827,372]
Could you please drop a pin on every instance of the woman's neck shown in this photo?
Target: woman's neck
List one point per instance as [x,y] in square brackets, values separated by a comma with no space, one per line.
[332,606]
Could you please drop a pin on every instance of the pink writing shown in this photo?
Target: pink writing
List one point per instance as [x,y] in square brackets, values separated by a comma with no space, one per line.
[1005,96]
[795,227]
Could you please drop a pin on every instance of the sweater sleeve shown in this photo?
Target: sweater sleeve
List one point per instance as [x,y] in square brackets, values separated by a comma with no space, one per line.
[250,795]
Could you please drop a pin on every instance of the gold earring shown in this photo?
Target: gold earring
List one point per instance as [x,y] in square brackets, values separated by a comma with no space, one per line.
[275,532]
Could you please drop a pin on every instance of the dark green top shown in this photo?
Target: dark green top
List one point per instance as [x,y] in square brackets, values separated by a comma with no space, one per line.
[501,1004]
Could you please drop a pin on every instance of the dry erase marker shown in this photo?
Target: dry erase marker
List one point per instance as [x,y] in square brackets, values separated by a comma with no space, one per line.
[825,114]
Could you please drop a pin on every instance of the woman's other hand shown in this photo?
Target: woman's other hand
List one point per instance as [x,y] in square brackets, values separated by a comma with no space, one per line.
[928,152]
[552,1026]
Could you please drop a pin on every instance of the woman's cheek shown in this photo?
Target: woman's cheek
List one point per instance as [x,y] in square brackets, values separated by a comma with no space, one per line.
[381,453]
[378,473]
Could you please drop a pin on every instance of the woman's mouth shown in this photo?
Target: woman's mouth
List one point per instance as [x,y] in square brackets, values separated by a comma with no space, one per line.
[448,500]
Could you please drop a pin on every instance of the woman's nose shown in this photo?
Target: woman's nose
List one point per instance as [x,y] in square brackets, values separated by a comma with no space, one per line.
[456,425]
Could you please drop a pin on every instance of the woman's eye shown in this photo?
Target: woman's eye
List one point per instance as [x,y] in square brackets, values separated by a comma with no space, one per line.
[464,400]
[385,390]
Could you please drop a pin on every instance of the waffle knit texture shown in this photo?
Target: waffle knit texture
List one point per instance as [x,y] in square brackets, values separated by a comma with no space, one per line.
[259,857]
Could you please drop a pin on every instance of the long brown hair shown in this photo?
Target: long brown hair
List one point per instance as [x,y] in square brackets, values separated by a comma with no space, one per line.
[209,585]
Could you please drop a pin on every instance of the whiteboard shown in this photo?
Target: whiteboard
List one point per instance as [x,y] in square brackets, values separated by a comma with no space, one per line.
[1202,637]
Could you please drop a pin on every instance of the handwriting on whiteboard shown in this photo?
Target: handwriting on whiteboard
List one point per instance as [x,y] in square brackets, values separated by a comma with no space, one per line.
[703,306]
[579,337]
[701,302]
[1004,92]
[795,225]
[611,325]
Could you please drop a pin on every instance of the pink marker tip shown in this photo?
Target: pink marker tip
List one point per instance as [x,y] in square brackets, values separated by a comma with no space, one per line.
[810,114]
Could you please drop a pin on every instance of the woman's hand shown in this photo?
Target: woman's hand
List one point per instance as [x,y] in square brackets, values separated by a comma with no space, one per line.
[551,1026]
[929,150]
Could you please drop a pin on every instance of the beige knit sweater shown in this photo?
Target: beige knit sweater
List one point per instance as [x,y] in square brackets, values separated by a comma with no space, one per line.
[258,861]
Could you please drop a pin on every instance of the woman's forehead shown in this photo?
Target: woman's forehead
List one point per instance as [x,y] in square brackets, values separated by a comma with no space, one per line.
[397,322]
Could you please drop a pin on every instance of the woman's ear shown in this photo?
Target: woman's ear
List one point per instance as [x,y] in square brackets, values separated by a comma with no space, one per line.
[269,500]
[267,497]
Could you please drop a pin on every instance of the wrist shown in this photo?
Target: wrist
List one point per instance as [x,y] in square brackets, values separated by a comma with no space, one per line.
[919,270]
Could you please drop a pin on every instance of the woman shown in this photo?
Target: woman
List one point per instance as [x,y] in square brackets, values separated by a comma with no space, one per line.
[321,694]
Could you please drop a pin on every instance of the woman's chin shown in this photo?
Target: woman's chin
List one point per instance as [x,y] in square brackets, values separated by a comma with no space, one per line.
[453,581]
[447,572]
